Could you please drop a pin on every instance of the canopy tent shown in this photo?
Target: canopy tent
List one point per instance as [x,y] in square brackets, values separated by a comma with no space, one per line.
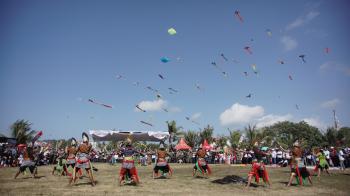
[206,146]
[182,145]
[109,135]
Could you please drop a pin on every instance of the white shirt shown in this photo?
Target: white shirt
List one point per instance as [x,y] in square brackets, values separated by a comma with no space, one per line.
[274,154]
[326,153]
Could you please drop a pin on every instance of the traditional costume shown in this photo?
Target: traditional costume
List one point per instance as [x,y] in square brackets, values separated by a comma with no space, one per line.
[128,169]
[83,159]
[201,164]
[258,171]
[298,168]
[71,151]
[321,163]
[60,167]
[161,163]
[28,161]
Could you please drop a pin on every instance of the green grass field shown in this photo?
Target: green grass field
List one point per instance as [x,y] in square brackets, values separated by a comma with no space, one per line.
[182,183]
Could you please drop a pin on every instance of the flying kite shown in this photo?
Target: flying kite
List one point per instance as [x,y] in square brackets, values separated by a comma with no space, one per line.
[172,31]
[173,90]
[138,107]
[296,106]
[119,77]
[223,56]
[162,77]
[199,87]
[249,96]
[238,16]
[269,33]
[146,123]
[101,104]
[245,73]
[217,67]
[248,50]
[281,62]
[302,56]
[165,110]
[164,59]
[151,89]
[136,83]
[159,96]
[327,50]
[254,67]
[189,119]
[290,77]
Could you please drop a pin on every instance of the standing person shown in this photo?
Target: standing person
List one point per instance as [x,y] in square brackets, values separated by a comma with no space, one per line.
[274,156]
[83,160]
[328,158]
[341,159]
[71,151]
[298,168]
[279,156]
[28,161]
[128,168]
[161,163]
[201,164]
[258,171]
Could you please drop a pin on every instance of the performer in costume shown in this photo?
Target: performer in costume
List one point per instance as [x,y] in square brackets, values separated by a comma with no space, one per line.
[128,168]
[61,166]
[71,151]
[298,168]
[28,161]
[161,163]
[321,164]
[201,164]
[258,171]
[83,160]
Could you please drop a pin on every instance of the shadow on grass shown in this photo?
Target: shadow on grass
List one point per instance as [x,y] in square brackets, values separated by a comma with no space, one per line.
[85,183]
[160,178]
[233,179]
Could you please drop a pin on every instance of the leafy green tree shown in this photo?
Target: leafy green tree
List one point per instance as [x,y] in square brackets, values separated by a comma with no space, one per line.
[221,141]
[174,132]
[207,134]
[344,136]
[234,138]
[21,130]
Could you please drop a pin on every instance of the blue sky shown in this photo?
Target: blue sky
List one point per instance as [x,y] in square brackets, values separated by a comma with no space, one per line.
[55,55]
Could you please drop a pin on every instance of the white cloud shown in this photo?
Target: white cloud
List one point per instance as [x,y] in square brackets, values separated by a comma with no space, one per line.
[335,66]
[316,122]
[155,105]
[300,21]
[174,109]
[271,119]
[240,114]
[196,116]
[289,43]
[330,103]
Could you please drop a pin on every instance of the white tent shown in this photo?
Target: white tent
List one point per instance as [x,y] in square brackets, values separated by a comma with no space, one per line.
[109,135]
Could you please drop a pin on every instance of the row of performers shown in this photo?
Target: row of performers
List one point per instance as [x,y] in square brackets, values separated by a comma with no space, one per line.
[78,158]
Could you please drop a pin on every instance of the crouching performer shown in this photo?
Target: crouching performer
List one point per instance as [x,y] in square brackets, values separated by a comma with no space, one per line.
[298,168]
[128,169]
[258,171]
[83,160]
[161,163]
[201,164]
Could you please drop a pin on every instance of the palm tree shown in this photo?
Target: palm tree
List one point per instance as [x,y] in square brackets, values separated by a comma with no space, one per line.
[191,138]
[173,132]
[252,135]
[207,134]
[21,130]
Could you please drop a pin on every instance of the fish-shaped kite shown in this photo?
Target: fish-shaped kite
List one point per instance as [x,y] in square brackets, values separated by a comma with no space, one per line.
[165,110]
[172,31]
[198,87]
[290,77]
[173,90]
[138,107]
[162,77]
[269,33]
[146,123]
[296,106]
[223,56]
[249,96]
[238,15]
[248,50]
[101,104]
[245,73]
[327,50]
[302,56]
[152,89]
[164,59]
[281,62]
